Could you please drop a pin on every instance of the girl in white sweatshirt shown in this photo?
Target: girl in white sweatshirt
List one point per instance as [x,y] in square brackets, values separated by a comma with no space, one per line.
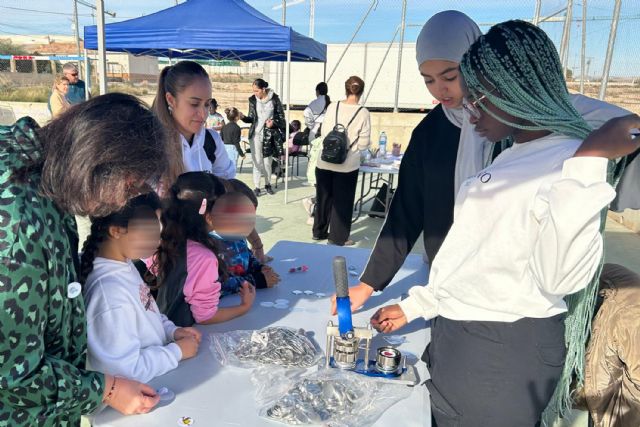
[127,335]
[526,235]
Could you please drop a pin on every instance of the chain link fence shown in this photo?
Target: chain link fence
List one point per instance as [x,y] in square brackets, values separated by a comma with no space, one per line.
[365,40]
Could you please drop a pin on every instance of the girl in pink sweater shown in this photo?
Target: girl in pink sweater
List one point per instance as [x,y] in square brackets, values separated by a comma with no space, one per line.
[188,269]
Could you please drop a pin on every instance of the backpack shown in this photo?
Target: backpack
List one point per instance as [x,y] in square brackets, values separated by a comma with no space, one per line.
[335,146]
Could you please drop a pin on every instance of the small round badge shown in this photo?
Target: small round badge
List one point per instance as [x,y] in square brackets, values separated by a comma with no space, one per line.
[186,421]
[74,289]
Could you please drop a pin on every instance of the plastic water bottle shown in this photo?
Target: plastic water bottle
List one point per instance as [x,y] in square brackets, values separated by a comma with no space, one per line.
[382,145]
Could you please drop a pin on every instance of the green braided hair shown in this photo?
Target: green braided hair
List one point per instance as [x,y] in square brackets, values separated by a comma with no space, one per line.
[517,68]
[522,68]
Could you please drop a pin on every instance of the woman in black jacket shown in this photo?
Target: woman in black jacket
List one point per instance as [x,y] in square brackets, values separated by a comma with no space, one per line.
[267,132]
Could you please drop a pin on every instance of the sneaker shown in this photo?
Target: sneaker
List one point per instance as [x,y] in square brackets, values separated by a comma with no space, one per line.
[347,243]
[308,205]
[319,238]
[269,190]
[257,192]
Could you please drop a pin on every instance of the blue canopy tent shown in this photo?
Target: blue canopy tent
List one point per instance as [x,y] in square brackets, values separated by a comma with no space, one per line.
[210,29]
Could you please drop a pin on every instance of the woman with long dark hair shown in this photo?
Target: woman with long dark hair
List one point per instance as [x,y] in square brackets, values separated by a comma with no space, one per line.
[267,132]
[315,111]
[89,161]
[182,104]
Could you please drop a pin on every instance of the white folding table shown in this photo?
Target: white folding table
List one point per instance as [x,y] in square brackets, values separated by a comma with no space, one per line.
[215,395]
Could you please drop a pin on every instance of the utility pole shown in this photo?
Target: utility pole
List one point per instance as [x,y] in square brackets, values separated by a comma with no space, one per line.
[566,35]
[584,45]
[612,42]
[76,26]
[284,22]
[536,15]
[399,71]
[312,18]
[102,53]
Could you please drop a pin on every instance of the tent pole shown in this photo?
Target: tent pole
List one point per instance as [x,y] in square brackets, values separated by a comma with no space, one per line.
[286,141]
[284,22]
[400,47]
[87,74]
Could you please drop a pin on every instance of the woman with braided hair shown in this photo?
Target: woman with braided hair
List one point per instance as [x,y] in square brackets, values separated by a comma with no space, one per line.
[444,151]
[526,234]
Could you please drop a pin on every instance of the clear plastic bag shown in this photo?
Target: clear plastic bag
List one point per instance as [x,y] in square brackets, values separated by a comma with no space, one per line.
[279,345]
[329,397]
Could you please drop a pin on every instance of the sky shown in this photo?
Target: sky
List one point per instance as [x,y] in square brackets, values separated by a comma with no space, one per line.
[336,21]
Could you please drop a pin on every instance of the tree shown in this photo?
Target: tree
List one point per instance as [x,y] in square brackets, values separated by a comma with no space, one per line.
[8,48]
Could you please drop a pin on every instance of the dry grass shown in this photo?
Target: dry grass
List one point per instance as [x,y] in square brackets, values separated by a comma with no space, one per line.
[25,94]
[626,96]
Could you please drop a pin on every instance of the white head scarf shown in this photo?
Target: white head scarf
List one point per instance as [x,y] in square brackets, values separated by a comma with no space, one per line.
[446,37]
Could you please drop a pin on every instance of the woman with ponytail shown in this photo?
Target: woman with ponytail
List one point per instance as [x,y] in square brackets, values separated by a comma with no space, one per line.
[182,104]
[127,334]
[519,261]
[189,272]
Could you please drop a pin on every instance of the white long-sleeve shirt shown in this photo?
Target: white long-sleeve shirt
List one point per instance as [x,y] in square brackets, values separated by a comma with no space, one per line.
[525,235]
[314,115]
[358,133]
[127,335]
[195,159]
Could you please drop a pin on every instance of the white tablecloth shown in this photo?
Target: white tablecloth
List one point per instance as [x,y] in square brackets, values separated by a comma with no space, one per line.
[214,395]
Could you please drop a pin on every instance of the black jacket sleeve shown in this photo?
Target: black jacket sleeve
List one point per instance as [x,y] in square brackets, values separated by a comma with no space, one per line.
[404,222]
[423,201]
[235,139]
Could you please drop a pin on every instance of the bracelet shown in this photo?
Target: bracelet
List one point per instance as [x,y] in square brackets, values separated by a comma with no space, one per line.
[113,388]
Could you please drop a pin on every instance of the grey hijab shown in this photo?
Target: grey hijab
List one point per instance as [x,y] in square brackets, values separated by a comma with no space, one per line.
[446,37]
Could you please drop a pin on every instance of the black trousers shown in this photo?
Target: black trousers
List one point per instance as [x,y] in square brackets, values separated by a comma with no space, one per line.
[335,194]
[493,374]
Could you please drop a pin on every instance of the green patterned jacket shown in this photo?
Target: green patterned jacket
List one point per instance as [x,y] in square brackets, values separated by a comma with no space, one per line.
[43,340]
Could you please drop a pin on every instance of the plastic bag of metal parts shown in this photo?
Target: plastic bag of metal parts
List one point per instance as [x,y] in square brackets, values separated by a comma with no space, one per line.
[329,397]
[269,346]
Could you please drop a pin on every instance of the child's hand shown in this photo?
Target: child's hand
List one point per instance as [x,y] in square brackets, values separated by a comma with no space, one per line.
[187,332]
[188,346]
[270,276]
[247,294]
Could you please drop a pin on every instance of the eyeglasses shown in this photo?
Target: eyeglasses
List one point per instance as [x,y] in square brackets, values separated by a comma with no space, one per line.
[74,75]
[472,107]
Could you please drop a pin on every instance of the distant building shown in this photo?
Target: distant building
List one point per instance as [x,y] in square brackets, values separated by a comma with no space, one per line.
[122,67]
